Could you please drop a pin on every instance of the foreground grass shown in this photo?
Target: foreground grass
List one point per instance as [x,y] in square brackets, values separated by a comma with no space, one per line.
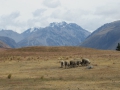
[38,68]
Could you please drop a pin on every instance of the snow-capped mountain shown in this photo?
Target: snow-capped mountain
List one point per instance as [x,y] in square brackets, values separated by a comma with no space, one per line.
[56,24]
[29,31]
[56,34]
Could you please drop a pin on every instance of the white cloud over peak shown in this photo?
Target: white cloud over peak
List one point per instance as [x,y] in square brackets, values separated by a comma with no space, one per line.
[89,14]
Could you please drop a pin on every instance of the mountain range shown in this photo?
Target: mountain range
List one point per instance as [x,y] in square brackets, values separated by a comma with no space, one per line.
[56,34]
[105,37]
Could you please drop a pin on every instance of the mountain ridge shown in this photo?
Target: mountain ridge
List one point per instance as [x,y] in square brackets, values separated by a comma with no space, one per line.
[3,45]
[55,34]
[105,37]
[9,41]
[11,34]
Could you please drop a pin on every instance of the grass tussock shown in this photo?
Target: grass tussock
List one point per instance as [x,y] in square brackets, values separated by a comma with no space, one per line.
[9,76]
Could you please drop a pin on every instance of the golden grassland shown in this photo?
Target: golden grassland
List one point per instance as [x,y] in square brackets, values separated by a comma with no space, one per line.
[38,68]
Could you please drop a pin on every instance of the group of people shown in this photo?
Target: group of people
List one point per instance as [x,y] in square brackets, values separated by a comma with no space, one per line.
[74,63]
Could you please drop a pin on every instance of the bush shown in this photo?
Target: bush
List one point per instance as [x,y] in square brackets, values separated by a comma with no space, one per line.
[118,47]
[42,77]
[9,76]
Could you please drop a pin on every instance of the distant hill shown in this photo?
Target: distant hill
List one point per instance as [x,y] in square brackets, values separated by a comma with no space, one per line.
[10,42]
[56,34]
[105,37]
[11,34]
[3,45]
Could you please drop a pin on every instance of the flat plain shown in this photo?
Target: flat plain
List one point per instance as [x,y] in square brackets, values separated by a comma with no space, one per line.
[38,68]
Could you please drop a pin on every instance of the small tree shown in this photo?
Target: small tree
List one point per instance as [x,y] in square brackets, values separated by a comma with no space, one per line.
[118,47]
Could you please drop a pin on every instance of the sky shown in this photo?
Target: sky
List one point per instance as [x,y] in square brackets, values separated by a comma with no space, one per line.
[19,15]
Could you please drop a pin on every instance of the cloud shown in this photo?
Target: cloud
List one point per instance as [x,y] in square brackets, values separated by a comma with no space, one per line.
[111,11]
[51,3]
[90,17]
[11,22]
[8,20]
[38,22]
[82,17]
[39,12]
[89,14]
[10,17]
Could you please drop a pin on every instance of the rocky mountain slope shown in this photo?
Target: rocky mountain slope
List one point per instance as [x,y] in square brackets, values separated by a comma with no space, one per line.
[56,34]
[3,45]
[11,34]
[10,42]
[105,37]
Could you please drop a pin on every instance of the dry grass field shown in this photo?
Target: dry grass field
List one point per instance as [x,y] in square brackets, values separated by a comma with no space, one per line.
[38,68]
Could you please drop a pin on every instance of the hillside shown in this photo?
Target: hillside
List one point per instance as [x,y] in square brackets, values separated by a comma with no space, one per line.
[38,68]
[11,34]
[3,45]
[9,41]
[105,37]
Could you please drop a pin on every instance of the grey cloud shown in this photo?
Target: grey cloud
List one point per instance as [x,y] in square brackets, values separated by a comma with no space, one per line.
[14,15]
[70,15]
[39,12]
[10,17]
[10,22]
[7,20]
[111,10]
[85,19]
[51,3]
[38,22]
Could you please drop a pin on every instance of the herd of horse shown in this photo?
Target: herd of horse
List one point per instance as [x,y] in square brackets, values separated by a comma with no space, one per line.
[74,63]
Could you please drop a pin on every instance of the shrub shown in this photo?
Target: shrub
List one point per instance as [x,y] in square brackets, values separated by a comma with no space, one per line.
[60,78]
[118,47]
[9,76]
[42,77]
